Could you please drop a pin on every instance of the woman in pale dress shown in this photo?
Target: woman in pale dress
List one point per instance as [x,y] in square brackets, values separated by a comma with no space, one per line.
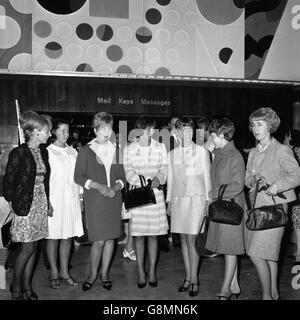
[188,197]
[148,158]
[66,222]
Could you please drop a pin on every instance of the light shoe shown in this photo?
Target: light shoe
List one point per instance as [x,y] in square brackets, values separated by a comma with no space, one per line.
[130,255]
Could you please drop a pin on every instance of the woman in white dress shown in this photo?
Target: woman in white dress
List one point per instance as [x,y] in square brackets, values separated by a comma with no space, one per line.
[64,195]
[148,158]
[188,196]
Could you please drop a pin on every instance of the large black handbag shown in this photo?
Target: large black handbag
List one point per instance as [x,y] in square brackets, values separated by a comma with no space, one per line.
[265,217]
[224,211]
[200,242]
[139,197]
[5,232]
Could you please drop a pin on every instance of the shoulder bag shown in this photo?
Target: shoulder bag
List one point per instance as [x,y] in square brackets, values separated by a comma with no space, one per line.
[5,232]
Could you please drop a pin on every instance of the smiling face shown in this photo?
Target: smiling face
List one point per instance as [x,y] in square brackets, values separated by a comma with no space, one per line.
[104,132]
[259,129]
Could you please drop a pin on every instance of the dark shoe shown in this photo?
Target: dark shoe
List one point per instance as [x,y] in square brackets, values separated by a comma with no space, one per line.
[141,285]
[210,254]
[225,297]
[70,281]
[87,285]
[16,294]
[106,284]
[153,284]
[192,291]
[30,294]
[54,283]
[185,286]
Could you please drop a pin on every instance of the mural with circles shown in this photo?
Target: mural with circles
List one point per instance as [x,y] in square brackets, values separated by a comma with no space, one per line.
[159,37]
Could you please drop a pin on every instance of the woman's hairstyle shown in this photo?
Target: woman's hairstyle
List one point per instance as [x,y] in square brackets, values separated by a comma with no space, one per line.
[55,125]
[31,120]
[222,125]
[203,123]
[183,122]
[143,123]
[101,119]
[295,137]
[268,115]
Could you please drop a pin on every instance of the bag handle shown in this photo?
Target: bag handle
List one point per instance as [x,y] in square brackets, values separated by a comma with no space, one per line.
[142,180]
[7,218]
[221,191]
[255,194]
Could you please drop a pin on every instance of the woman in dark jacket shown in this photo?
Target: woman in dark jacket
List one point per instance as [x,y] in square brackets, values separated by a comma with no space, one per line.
[26,188]
[228,167]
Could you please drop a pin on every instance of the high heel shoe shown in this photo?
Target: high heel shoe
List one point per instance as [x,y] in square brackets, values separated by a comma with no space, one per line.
[70,281]
[87,285]
[192,292]
[142,285]
[184,287]
[30,294]
[16,294]
[232,294]
[153,284]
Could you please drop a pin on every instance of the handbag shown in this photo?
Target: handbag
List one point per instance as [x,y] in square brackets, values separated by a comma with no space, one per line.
[224,211]
[265,217]
[139,197]
[200,242]
[5,232]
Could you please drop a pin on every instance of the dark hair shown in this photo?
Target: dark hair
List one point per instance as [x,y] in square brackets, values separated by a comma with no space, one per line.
[222,125]
[101,118]
[203,122]
[55,125]
[268,115]
[295,137]
[184,121]
[31,120]
[143,123]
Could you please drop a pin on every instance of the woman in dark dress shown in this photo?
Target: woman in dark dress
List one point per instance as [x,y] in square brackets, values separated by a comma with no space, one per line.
[99,172]
[26,188]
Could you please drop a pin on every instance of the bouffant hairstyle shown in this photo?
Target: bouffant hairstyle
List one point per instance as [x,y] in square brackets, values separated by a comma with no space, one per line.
[143,123]
[55,125]
[222,125]
[101,119]
[31,120]
[183,122]
[268,115]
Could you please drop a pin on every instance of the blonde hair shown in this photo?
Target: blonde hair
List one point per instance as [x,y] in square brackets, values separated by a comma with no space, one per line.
[102,118]
[31,120]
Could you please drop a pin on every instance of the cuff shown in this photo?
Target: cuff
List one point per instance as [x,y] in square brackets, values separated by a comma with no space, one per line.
[121,183]
[86,185]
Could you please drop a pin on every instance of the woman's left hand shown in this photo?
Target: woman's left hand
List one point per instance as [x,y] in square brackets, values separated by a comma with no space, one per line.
[50,210]
[272,190]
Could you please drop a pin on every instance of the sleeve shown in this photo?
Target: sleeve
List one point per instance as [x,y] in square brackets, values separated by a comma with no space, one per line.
[291,178]
[11,171]
[131,176]
[206,168]
[80,176]
[169,178]
[248,176]
[163,170]
[237,177]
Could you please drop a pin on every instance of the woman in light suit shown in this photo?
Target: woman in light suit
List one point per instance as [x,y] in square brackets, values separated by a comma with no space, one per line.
[187,198]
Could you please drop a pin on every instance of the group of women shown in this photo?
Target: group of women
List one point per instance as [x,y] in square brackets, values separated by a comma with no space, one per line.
[41,185]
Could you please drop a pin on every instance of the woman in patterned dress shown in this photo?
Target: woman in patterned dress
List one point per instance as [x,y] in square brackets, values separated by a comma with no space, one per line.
[148,158]
[66,222]
[26,188]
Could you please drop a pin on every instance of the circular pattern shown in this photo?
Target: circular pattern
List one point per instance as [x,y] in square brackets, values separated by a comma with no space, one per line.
[64,30]
[63,67]
[42,66]
[53,50]
[172,56]
[61,6]
[143,70]
[172,17]
[94,52]
[124,69]
[153,16]
[134,54]
[124,34]
[152,55]
[162,71]
[21,61]
[181,37]
[74,51]
[163,2]
[84,67]
[11,34]
[36,49]
[114,53]
[42,29]
[162,36]
[104,69]
[190,18]
[220,12]
[143,34]
[84,31]
[225,54]
[21,6]
[181,3]
[104,32]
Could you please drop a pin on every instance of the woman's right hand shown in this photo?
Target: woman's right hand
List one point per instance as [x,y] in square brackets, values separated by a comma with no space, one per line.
[103,189]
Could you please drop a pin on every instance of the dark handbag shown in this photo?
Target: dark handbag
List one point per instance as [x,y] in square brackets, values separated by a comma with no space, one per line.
[5,232]
[226,212]
[139,197]
[200,242]
[265,217]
